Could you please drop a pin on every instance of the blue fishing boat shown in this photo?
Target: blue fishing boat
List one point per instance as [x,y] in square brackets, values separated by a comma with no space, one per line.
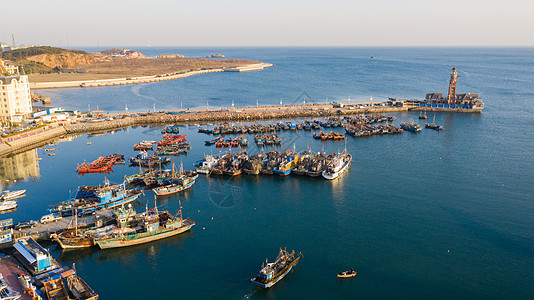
[213,141]
[95,198]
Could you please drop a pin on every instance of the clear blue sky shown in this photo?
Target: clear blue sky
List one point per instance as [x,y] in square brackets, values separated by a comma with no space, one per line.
[269,23]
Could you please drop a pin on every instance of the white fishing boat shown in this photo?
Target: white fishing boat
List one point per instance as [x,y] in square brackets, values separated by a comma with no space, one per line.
[8,205]
[207,163]
[339,164]
[14,194]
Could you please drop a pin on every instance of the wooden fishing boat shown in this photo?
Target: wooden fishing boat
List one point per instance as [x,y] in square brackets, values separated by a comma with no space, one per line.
[347,274]
[154,225]
[55,289]
[80,289]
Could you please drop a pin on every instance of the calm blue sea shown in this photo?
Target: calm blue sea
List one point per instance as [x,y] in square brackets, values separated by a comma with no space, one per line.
[434,215]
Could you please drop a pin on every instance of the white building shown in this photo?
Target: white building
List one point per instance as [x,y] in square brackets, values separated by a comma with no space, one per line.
[15,98]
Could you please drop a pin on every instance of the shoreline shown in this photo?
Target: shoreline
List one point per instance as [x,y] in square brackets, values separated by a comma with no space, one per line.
[143,79]
[117,121]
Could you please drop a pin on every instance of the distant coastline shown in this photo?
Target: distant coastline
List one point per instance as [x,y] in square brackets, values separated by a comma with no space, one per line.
[93,80]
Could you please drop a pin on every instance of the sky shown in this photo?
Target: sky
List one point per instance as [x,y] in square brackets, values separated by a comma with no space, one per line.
[269,23]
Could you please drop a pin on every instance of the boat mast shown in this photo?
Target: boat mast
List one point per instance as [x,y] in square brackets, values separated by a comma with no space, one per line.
[180,203]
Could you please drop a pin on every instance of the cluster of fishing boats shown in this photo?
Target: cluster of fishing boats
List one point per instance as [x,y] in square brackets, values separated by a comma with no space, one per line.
[414,127]
[102,164]
[267,139]
[125,228]
[367,129]
[144,145]
[274,162]
[172,144]
[220,142]
[7,199]
[328,136]
[90,199]
[332,122]
[171,129]
[142,159]
[163,182]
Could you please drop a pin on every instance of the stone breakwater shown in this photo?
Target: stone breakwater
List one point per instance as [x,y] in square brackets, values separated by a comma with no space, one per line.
[246,114]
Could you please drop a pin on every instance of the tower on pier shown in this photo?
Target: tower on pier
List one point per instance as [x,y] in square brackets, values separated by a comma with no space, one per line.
[451,98]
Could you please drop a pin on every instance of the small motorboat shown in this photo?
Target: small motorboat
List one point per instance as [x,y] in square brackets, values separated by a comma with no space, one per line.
[347,274]
[13,194]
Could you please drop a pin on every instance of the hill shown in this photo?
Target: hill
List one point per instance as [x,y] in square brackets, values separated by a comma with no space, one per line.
[45,59]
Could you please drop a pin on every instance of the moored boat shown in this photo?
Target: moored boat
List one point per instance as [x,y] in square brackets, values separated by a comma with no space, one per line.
[8,205]
[12,194]
[154,225]
[339,164]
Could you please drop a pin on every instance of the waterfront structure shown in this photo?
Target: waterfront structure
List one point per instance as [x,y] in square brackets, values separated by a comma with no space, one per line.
[15,98]
[10,68]
[454,100]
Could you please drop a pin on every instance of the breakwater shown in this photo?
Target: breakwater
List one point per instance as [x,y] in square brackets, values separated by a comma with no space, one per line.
[142,79]
[246,114]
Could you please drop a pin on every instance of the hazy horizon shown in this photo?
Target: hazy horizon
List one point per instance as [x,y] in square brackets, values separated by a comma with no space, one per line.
[297,23]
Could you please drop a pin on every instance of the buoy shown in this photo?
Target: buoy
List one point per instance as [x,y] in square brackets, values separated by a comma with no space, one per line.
[203,228]
[448,251]
[212,218]
[199,210]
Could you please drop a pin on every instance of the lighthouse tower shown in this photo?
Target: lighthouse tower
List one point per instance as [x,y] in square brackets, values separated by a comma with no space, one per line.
[451,99]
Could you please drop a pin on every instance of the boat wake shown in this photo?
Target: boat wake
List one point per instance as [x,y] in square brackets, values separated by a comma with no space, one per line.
[136,91]
[252,292]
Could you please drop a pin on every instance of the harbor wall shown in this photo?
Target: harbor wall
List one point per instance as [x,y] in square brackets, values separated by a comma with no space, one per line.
[246,114]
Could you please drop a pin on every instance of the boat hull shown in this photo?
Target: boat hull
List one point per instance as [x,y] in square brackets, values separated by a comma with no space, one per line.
[124,242]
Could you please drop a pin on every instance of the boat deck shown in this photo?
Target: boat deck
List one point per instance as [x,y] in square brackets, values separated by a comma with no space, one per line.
[10,269]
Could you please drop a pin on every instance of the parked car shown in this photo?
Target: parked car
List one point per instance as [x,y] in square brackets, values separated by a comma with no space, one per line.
[25,224]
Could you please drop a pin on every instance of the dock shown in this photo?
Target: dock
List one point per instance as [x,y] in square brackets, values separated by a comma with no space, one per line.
[43,231]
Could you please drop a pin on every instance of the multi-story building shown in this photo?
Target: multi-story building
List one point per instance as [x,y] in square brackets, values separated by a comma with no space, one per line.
[15,98]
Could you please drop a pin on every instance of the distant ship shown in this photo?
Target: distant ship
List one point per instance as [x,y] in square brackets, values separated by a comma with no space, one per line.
[274,272]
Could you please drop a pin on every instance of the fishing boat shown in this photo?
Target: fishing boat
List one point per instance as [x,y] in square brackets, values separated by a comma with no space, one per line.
[433,125]
[273,272]
[411,126]
[206,164]
[183,183]
[213,141]
[95,198]
[8,205]
[154,225]
[144,160]
[79,288]
[347,274]
[101,164]
[14,194]
[55,289]
[339,164]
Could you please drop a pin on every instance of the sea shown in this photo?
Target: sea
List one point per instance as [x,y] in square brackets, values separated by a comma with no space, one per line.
[429,215]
